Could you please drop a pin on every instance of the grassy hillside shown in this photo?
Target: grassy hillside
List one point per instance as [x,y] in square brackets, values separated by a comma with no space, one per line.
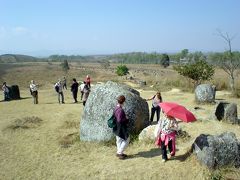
[13,58]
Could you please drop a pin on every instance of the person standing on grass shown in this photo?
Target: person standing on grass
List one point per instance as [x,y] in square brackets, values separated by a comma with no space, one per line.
[156,99]
[59,90]
[74,89]
[81,88]
[121,130]
[34,91]
[167,133]
[64,83]
[6,91]
[86,91]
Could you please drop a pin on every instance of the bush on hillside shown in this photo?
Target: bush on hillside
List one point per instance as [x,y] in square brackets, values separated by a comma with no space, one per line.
[198,71]
[165,60]
[122,70]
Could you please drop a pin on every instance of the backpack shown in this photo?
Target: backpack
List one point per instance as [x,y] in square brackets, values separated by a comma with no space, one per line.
[57,88]
[112,122]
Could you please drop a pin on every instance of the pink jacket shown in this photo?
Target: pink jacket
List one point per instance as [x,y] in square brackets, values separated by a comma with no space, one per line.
[167,138]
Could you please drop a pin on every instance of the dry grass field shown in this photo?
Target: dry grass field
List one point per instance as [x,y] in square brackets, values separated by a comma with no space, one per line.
[42,141]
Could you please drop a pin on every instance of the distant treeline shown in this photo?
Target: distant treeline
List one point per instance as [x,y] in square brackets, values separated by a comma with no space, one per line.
[56,58]
[127,58]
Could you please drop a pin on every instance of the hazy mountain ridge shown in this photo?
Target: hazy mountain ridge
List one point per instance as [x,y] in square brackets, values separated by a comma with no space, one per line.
[13,58]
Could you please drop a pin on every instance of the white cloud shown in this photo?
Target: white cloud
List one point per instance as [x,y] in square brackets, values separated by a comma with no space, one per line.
[19,30]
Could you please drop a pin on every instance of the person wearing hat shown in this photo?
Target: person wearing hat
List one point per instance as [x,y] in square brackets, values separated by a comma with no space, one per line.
[121,130]
[34,91]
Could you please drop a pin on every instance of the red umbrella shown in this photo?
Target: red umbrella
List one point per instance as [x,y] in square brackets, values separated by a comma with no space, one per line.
[177,111]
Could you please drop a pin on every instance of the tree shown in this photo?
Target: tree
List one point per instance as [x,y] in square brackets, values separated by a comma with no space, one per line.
[229,61]
[122,70]
[165,60]
[184,53]
[198,71]
[65,66]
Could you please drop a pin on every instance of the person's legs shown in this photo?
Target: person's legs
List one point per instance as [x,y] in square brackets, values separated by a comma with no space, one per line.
[34,97]
[164,150]
[81,95]
[124,145]
[59,97]
[5,96]
[152,114]
[171,149]
[37,98]
[62,97]
[118,142]
[158,113]
[65,86]
[75,96]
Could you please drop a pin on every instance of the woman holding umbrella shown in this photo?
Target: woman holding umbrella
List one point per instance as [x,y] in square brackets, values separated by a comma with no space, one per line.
[168,126]
[167,136]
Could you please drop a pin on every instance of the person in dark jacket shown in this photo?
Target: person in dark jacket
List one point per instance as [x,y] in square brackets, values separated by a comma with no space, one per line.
[74,89]
[121,130]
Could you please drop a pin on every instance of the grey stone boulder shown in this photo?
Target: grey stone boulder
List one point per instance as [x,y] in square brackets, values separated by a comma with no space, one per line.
[148,133]
[217,151]
[227,112]
[205,93]
[99,108]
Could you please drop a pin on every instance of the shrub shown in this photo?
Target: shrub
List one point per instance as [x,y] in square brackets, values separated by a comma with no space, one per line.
[122,70]
[165,60]
[198,71]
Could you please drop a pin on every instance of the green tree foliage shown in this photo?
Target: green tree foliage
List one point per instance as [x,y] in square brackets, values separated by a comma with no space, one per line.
[56,58]
[121,70]
[198,71]
[165,60]
[184,53]
[65,66]
[137,58]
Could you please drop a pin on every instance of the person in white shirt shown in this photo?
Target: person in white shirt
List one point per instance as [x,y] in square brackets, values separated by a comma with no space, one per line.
[59,90]
[81,88]
[5,89]
[34,91]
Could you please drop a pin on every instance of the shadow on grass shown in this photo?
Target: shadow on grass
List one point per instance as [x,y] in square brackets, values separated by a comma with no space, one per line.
[147,154]
[184,156]
[22,98]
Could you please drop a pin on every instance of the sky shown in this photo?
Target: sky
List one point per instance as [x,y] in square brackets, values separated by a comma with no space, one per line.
[88,27]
